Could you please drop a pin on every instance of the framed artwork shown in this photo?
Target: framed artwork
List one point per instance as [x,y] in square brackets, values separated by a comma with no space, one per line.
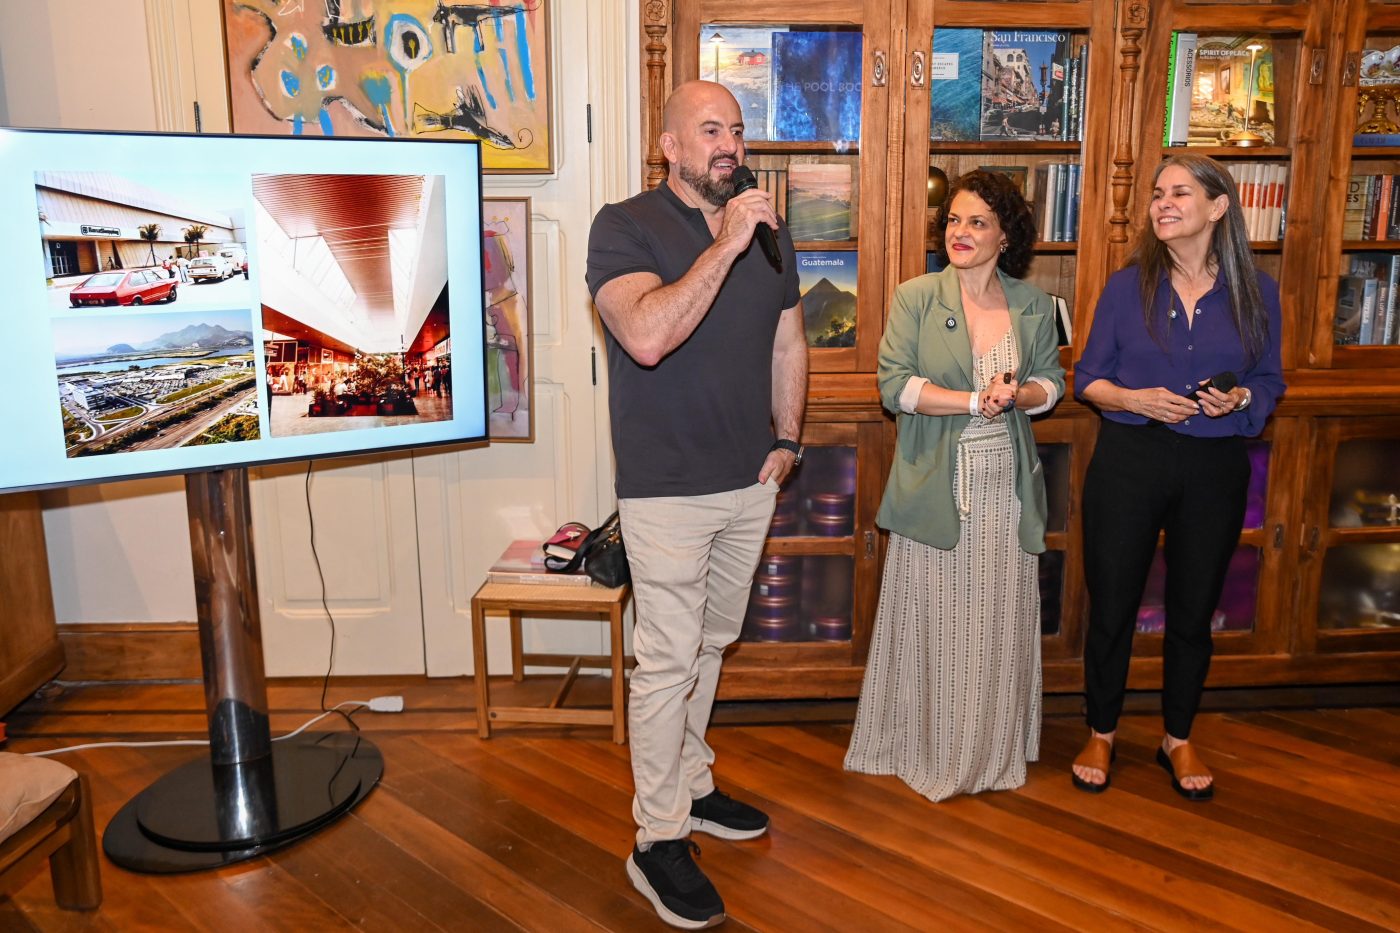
[397,68]
[506,270]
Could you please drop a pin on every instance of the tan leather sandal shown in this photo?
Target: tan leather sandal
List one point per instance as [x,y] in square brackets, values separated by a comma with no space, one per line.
[1098,753]
[1182,762]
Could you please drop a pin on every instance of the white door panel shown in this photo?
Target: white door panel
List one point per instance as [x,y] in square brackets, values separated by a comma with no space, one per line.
[364,518]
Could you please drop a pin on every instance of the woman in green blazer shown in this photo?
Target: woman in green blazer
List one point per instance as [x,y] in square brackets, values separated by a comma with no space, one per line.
[951,698]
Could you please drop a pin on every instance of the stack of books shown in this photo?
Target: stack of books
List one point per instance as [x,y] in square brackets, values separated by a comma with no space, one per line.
[1055,201]
[1004,84]
[1263,188]
[523,562]
[1368,302]
[1218,86]
[1372,209]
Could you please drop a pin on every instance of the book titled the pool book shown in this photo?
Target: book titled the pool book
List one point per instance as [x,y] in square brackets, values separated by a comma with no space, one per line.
[816,86]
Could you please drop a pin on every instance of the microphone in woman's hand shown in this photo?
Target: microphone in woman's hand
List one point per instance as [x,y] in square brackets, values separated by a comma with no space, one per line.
[744,181]
[1223,382]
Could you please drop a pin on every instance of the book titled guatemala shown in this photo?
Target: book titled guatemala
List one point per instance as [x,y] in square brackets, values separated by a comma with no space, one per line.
[955,83]
[816,86]
[827,281]
[1023,85]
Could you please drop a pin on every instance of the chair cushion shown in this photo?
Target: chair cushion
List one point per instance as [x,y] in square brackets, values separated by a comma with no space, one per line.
[27,787]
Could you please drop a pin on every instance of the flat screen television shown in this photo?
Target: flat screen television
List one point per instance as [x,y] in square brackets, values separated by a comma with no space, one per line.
[176,303]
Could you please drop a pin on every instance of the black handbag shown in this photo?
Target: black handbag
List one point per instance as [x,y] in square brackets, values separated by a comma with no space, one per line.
[601,555]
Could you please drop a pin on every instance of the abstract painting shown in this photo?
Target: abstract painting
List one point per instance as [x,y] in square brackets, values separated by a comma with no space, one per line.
[396,68]
[506,265]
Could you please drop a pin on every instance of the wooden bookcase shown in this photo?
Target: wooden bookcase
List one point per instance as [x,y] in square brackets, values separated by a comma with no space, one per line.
[1318,573]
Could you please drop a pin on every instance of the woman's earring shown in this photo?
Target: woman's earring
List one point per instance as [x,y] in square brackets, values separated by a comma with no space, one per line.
[1003,247]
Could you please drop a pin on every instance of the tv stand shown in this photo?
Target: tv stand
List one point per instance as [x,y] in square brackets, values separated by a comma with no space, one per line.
[248,794]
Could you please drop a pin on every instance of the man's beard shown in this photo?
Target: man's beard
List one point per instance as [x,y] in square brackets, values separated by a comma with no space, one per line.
[716,191]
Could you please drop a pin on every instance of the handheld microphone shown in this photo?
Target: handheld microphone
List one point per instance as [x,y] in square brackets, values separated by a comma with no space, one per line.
[1223,381]
[744,181]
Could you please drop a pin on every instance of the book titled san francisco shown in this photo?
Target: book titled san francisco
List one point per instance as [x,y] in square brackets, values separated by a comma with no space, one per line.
[816,86]
[1023,85]
[523,562]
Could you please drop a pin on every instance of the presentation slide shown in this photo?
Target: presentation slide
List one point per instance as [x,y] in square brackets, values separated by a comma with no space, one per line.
[190,302]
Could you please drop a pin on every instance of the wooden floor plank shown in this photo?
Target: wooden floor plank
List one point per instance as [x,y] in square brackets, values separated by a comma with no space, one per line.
[529,830]
[881,813]
[1324,740]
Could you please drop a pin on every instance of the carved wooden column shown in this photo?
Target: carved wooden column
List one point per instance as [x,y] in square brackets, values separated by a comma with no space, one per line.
[656,23]
[1131,27]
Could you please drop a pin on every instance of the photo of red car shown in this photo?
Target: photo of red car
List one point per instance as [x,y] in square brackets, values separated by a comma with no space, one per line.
[138,287]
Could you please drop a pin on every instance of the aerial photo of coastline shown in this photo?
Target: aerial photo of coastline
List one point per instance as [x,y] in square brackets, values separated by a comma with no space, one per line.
[153,381]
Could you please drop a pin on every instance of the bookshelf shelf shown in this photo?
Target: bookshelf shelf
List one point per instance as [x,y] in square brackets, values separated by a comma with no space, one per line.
[1368,246]
[1375,152]
[826,245]
[1251,153]
[1049,246]
[1267,246]
[1009,146]
[1365,356]
[826,147]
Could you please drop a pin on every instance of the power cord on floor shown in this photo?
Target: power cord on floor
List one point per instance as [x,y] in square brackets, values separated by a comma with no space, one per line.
[325,604]
[386,704]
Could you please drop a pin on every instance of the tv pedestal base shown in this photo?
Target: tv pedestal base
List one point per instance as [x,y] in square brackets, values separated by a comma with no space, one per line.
[248,795]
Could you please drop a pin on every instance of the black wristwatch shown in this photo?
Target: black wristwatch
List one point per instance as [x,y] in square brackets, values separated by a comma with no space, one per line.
[792,447]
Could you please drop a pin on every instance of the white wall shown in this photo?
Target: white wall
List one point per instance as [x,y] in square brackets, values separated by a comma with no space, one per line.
[119,552]
[56,71]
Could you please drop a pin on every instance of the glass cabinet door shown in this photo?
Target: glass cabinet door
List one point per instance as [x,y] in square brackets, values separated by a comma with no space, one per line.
[1005,89]
[1247,618]
[1351,538]
[814,592]
[811,80]
[1064,445]
[1357,320]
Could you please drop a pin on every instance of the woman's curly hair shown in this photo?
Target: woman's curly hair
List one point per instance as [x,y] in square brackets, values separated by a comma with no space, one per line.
[1013,213]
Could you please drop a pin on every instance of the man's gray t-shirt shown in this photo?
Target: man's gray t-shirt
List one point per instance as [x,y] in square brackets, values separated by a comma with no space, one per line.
[700,421]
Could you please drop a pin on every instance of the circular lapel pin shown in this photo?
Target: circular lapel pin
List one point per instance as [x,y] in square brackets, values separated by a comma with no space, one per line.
[951,323]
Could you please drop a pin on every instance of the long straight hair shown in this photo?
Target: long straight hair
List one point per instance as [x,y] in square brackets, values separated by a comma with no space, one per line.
[1229,247]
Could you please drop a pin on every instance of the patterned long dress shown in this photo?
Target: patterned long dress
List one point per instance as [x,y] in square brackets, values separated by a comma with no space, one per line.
[951,698]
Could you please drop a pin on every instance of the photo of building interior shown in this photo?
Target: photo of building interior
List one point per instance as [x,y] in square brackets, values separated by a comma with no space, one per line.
[354,295]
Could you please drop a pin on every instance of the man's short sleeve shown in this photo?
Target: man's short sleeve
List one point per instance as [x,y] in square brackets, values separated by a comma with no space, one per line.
[792,291]
[616,247]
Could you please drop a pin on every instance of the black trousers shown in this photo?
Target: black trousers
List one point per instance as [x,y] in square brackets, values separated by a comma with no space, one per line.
[1143,479]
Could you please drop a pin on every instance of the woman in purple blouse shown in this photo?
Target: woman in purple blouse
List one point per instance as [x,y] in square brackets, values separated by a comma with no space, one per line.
[1189,310]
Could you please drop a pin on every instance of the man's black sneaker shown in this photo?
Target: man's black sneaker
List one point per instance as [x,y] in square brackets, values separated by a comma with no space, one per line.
[668,877]
[721,815]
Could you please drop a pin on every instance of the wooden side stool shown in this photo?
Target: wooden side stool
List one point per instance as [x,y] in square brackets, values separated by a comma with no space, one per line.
[46,813]
[517,599]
